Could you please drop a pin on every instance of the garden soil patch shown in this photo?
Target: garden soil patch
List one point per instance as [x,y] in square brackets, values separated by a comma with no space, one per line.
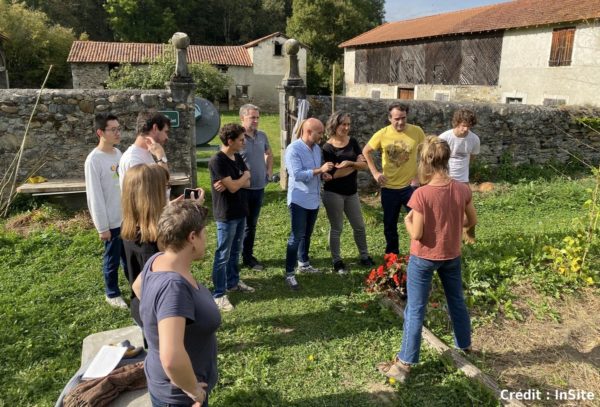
[544,353]
[38,219]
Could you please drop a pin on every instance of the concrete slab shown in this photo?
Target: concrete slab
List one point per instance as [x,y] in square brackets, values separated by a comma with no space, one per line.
[93,343]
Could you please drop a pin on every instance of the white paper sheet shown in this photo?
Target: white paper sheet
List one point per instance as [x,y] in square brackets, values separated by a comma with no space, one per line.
[104,362]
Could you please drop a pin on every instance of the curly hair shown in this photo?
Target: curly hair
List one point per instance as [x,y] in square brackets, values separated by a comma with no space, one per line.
[464,116]
[333,122]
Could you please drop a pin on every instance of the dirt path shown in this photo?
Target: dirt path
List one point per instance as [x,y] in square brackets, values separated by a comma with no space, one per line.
[556,350]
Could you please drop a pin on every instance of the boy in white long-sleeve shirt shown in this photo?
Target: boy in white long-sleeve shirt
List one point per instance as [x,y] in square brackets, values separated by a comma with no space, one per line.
[464,146]
[104,201]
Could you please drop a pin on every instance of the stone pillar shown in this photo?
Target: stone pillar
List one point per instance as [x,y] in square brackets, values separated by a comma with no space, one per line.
[291,90]
[182,88]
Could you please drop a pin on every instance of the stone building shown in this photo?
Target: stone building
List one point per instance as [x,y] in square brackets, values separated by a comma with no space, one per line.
[256,68]
[4,83]
[540,52]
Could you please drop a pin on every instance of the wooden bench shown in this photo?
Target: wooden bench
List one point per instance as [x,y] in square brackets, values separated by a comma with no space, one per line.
[77,186]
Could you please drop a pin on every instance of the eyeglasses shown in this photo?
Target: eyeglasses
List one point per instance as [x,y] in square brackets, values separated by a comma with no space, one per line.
[113,130]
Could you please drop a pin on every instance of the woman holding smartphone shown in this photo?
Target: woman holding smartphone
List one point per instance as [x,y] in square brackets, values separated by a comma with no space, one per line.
[142,200]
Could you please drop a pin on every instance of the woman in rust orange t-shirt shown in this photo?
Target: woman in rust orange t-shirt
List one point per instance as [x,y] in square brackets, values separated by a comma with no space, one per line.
[440,211]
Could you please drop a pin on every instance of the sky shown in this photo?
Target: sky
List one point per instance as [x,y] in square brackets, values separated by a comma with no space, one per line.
[403,10]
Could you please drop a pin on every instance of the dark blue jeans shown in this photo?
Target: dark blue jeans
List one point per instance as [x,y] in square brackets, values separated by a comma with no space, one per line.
[392,201]
[157,403]
[113,255]
[418,284]
[226,270]
[255,201]
[303,223]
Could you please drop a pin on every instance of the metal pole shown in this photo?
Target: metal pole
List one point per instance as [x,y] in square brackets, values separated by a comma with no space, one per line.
[333,91]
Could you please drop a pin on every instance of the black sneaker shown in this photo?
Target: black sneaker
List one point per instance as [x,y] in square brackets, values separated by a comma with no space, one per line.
[339,267]
[367,262]
[254,264]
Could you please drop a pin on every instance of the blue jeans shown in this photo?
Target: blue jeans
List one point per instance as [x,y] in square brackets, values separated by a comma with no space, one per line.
[113,255]
[255,200]
[303,223]
[419,275]
[157,403]
[392,201]
[226,270]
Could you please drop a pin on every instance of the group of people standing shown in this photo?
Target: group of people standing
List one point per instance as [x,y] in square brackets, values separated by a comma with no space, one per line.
[128,197]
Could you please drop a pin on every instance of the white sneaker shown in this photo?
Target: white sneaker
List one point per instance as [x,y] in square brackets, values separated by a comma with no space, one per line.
[242,287]
[223,303]
[117,302]
[308,269]
[292,283]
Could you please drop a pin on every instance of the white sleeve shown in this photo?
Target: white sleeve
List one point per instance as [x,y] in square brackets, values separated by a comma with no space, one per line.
[476,145]
[95,197]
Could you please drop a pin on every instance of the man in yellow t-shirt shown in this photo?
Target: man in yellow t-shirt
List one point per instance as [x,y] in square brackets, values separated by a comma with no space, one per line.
[398,144]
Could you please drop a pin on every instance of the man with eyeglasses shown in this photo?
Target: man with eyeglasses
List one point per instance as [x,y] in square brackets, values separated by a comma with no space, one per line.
[153,133]
[104,201]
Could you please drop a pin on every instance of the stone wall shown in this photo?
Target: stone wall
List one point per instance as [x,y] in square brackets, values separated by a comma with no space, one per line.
[527,134]
[61,132]
[89,76]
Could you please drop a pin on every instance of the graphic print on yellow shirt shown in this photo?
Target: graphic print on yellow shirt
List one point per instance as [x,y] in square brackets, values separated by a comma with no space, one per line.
[399,158]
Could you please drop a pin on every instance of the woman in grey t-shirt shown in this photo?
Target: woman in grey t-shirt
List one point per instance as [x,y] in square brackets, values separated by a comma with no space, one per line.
[179,315]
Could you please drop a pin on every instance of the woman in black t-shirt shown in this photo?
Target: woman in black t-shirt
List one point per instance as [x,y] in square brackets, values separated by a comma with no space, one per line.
[340,194]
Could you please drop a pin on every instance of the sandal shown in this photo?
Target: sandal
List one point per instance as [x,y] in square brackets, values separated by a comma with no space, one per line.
[132,351]
[395,369]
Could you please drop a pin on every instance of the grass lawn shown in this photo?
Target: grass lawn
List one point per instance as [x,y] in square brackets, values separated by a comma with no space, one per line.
[315,347]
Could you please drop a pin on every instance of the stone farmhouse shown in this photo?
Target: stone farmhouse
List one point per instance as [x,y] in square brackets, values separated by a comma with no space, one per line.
[4,83]
[256,68]
[539,52]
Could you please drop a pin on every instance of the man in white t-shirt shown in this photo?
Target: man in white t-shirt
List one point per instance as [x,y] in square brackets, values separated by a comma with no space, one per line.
[464,146]
[153,133]
[104,201]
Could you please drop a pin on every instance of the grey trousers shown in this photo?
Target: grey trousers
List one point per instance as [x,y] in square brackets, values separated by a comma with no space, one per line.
[336,206]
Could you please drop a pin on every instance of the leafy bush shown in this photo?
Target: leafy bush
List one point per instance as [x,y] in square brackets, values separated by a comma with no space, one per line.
[34,44]
[210,83]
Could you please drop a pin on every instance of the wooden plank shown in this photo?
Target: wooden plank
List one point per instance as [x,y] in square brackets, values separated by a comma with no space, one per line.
[58,186]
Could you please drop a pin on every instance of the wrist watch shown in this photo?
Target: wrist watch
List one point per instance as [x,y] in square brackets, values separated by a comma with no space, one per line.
[162,160]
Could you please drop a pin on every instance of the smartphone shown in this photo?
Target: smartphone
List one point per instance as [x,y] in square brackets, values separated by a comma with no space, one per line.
[187,193]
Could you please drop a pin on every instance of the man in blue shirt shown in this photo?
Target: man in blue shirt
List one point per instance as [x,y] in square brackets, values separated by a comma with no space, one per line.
[303,164]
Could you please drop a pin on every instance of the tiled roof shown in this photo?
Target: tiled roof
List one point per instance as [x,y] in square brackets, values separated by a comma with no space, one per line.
[136,53]
[514,14]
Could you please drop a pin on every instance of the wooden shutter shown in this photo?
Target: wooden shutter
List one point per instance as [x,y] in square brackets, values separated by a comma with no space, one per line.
[562,46]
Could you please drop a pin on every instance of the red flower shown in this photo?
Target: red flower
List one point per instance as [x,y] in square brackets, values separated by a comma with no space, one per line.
[380,272]
[390,259]
[396,279]
[435,304]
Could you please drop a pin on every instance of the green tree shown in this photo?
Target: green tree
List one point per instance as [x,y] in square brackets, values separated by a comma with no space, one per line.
[33,45]
[210,82]
[205,21]
[322,25]
[83,16]
[141,20]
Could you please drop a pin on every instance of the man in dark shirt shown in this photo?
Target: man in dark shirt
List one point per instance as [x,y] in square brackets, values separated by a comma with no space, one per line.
[229,176]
